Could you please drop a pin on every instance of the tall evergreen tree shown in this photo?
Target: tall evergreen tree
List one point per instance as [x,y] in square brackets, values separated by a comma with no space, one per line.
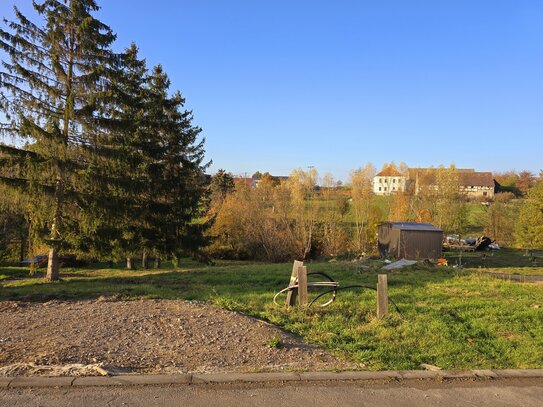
[132,137]
[50,89]
[114,180]
[173,169]
[150,169]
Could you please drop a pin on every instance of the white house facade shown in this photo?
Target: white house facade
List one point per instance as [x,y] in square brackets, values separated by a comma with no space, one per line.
[389,181]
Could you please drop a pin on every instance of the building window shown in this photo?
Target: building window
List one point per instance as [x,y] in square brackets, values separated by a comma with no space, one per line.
[484,193]
[379,188]
[385,188]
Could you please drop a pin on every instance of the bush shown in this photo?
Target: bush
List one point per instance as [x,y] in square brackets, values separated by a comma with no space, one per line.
[504,197]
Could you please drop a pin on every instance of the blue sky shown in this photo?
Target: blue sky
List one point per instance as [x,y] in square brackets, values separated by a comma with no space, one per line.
[277,85]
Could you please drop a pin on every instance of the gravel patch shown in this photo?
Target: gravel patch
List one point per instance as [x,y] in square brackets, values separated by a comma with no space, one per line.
[146,336]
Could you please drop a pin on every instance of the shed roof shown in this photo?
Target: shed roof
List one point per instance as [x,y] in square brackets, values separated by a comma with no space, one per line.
[414,226]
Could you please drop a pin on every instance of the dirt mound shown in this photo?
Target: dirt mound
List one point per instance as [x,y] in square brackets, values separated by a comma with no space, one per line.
[146,336]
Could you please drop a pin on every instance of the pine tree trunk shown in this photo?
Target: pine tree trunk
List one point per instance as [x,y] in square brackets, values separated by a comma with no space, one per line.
[53,265]
[144,260]
[157,262]
[129,263]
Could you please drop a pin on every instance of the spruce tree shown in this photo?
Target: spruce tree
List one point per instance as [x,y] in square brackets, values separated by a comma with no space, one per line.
[131,137]
[51,87]
[114,180]
[173,171]
[150,171]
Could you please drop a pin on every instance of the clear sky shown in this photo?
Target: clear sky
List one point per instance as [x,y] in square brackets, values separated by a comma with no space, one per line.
[280,84]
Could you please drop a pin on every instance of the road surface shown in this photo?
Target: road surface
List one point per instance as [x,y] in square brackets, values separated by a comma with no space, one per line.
[516,392]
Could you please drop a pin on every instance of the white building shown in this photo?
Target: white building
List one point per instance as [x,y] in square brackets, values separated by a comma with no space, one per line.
[388,181]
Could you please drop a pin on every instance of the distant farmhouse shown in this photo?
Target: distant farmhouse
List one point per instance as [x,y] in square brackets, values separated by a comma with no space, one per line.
[476,185]
[389,181]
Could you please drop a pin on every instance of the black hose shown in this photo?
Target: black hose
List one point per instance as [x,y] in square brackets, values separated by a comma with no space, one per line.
[333,290]
[320,273]
[350,287]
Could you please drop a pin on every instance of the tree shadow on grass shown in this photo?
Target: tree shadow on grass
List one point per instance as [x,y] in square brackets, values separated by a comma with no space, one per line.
[12,273]
[200,284]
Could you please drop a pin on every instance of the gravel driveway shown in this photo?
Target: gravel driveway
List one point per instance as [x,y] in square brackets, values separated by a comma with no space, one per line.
[146,336]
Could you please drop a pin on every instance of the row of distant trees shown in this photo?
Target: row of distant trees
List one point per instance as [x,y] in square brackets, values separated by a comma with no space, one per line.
[102,158]
[296,219]
[518,183]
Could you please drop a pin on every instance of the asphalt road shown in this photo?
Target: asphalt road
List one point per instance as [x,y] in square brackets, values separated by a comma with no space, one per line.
[517,392]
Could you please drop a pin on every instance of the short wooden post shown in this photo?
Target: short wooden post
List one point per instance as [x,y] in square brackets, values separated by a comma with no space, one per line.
[292,294]
[302,286]
[382,296]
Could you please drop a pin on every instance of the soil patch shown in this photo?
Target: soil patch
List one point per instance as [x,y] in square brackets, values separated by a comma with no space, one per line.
[147,336]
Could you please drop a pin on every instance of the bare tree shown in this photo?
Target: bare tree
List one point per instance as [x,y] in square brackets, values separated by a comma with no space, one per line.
[363,210]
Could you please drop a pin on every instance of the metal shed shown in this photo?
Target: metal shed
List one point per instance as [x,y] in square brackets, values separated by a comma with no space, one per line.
[410,240]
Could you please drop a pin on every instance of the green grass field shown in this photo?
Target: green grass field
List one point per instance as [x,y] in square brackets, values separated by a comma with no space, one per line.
[449,318]
[508,261]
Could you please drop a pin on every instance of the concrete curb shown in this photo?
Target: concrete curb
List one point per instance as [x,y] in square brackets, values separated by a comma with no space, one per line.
[360,375]
[187,379]
[245,377]
[22,381]
[127,380]
[519,373]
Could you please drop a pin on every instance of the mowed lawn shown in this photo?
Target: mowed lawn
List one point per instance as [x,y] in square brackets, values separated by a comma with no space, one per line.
[452,319]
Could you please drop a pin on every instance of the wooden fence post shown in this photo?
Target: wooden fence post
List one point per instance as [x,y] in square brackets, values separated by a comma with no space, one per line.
[382,296]
[302,286]
[292,294]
